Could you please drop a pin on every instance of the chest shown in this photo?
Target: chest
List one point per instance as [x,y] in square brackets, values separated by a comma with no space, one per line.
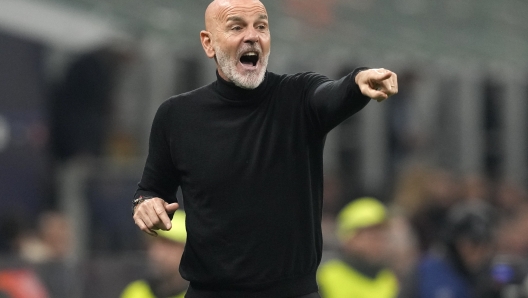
[214,142]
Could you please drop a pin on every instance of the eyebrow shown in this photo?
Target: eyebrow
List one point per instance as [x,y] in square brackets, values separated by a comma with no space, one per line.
[240,19]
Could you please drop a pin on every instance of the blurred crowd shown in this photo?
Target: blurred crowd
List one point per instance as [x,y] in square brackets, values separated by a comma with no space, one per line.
[439,235]
[443,235]
[428,231]
[476,225]
[433,233]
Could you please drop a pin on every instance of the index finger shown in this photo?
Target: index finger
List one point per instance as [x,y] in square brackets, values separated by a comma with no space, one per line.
[163,215]
[381,74]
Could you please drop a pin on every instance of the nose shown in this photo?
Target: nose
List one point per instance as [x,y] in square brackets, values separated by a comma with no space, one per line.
[251,36]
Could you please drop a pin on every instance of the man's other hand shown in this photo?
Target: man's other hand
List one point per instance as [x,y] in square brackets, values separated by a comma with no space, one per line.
[153,214]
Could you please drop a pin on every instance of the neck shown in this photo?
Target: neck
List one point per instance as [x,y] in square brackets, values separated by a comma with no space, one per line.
[236,95]
[222,74]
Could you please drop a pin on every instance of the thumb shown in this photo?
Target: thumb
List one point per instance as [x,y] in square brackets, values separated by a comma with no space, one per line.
[172,207]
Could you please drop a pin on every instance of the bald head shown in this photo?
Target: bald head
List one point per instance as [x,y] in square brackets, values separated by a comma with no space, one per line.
[237,36]
[218,10]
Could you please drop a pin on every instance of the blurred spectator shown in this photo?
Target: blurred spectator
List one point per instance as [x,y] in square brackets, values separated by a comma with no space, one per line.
[47,248]
[411,188]
[426,194]
[18,279]
[459,267]
[361,272]
[509,197]
[404,250]
[164,254]
[477,187]
[513,233]
[21,283]
[52,241]
[509,268]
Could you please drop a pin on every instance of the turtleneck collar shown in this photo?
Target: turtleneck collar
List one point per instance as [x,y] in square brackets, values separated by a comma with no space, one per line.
[233,94]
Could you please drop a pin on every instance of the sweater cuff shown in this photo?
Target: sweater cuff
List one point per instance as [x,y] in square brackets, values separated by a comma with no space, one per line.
[145,194]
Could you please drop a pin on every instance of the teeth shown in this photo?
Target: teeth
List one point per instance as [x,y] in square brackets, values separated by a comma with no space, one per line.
[250,54]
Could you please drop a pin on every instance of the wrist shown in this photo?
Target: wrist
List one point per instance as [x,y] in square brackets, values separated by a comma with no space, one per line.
[358,76]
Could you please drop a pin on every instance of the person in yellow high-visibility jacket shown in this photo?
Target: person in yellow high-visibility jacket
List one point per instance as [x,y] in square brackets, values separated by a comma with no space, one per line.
[360,272]
[143,289]
[164,254]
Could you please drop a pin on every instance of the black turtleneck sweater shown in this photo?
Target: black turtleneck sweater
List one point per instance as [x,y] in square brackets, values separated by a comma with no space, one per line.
[250,166]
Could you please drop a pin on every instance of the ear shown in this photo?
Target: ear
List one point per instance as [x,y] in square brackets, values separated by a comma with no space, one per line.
[205,38]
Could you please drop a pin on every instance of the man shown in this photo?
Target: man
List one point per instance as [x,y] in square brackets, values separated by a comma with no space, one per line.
[361,272]
[246,151]
[164,255]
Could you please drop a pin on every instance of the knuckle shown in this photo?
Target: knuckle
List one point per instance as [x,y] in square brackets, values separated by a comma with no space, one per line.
[141,207]
[157,200]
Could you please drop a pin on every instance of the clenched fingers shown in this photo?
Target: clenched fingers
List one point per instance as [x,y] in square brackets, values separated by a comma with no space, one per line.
[152,215]
[144,227]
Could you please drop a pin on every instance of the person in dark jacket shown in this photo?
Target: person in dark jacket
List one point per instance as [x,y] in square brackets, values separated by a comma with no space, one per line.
[247,152]
[460,267]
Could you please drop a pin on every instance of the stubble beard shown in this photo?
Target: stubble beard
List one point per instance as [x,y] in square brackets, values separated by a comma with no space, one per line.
[251,79]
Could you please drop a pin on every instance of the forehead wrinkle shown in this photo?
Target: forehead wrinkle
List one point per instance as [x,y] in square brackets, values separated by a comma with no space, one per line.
[227,13]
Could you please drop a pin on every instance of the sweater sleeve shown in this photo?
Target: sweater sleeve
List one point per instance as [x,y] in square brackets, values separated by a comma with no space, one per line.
[160,177]
[331,102]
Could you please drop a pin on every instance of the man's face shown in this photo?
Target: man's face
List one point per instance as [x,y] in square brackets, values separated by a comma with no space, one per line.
[369,244]
[240,40]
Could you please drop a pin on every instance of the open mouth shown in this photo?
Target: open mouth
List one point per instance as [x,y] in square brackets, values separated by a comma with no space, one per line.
[249,58]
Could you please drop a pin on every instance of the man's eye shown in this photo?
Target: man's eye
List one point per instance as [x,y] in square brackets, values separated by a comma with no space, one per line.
[236,28]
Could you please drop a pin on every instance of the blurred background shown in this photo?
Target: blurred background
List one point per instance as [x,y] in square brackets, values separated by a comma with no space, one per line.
[80,81]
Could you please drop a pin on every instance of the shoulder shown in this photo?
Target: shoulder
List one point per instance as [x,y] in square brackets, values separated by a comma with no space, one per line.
[189,95]
[177,103]
[436,269]
[432,261]
[299,78]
